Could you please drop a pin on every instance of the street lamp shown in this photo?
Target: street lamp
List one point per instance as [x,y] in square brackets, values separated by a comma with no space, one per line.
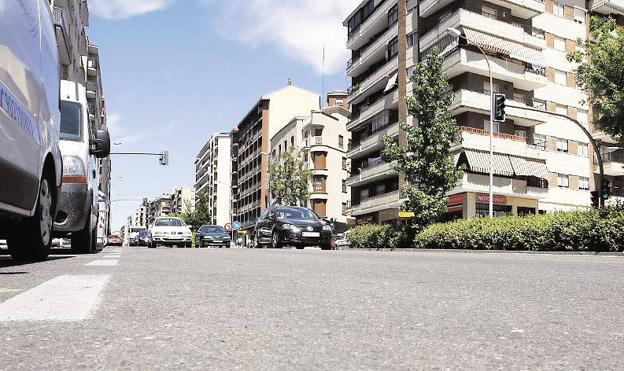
[457,34]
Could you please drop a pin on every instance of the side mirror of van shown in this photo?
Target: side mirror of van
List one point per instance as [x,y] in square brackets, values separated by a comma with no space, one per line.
[100,146]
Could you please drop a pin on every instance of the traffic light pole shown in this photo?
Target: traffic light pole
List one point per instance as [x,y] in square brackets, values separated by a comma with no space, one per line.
[164,156]
[601,199]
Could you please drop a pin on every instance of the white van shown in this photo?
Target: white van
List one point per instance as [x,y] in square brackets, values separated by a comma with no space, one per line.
[30,158]
[82,145]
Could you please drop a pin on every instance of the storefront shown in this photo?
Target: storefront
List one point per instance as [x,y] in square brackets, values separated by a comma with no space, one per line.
[470,205]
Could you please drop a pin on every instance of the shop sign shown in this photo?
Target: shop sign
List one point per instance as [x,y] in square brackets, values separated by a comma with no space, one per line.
[485,198]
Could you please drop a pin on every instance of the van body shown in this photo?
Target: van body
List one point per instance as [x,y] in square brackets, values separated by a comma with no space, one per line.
[30,158]
[78,203]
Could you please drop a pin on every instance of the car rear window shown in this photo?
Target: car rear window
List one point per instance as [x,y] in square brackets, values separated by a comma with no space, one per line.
[211,229]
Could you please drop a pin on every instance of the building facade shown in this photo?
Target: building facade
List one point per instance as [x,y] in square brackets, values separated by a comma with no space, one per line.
[251,145]
[322,139]
[213,174]
[183,200]
[542,162]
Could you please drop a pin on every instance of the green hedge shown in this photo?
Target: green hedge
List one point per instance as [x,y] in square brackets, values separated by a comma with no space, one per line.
[589,230]
[376,236]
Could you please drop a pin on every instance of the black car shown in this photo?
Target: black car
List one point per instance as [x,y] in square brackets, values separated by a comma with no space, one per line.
[212,235]
[282,226]
[145,238]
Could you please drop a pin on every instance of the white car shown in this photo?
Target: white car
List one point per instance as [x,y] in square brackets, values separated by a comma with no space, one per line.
[168,231]
[343,242]
[30,158]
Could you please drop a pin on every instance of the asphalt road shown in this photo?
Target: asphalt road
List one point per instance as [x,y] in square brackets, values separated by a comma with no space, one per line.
[135,308]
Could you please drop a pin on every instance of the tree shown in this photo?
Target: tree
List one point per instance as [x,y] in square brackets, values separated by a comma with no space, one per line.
[601,74]
[198,217]
[289,179]
[426,162]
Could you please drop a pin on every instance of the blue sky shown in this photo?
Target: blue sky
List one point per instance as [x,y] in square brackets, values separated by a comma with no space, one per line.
[174,72]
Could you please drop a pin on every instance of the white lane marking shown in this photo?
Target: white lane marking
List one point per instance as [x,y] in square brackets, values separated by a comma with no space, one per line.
[102,263]
[112,256]
[5,291]
[64,298]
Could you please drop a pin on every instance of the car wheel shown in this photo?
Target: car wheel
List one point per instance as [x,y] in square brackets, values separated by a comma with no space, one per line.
[33,239]
[81,241]
[300,247]
[259,245]
[275,242]
[326,247]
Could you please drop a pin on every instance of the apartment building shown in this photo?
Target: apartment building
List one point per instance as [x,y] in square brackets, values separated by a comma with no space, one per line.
[213,174]
[139,218]
[613,159]
[542,163]
[160,206]
[80,64]
[322,139]
[251,145]
[183,200]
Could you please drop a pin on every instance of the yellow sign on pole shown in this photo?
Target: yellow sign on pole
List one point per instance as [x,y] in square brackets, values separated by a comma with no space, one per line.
[406,214]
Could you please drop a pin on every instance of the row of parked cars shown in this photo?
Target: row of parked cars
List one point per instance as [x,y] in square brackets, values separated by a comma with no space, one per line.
[49,151]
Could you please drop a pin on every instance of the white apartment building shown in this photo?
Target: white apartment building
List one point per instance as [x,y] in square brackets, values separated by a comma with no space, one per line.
[214,177]
[183,200]
[323,138]
[542,163]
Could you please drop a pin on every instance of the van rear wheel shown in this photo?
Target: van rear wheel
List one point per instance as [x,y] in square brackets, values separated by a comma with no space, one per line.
[82,241]
[32,239]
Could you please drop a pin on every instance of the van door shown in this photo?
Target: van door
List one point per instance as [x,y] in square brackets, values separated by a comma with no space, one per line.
[20,100]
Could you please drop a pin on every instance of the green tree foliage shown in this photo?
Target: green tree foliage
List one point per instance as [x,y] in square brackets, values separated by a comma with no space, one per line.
[429,168]
[601,74]
[289,179]
[198,217]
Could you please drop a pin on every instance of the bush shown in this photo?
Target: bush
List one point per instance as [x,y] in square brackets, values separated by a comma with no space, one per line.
[589,230]
[376,236]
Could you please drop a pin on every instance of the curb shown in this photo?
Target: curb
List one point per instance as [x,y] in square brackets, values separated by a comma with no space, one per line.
[463,251]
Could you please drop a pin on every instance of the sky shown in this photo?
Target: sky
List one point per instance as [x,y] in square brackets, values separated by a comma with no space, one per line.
[176,71]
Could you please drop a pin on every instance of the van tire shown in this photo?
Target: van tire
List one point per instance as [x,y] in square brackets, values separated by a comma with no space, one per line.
[32,238]
[82,241]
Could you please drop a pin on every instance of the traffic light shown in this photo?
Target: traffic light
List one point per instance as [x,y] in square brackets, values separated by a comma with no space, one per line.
[595,199]
[164,158]
[606,189]
[499,107]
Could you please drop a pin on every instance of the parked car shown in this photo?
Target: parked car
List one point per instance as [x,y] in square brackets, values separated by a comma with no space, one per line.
[280,226]
[145,239]
[342,242]
[30,159]
[133,237]
[212,235]
[169,231]
[82,145]
[115,240]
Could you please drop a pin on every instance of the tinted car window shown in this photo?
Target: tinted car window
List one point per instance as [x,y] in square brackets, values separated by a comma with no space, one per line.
[71,117]
[168,223]
[295,213]
[211,229]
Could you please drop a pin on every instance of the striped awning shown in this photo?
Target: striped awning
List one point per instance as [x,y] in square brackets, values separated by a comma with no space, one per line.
[529,167]
[509,48]
[479,162]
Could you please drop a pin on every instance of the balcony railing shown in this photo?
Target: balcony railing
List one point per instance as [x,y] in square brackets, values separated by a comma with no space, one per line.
[59,18]
[517,138]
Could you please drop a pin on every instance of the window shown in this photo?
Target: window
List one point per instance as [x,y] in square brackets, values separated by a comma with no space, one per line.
[393,15]
[292,140]
[540,142]
[486,126]
[340,141]
[488,12]
[582,117]
[519,97]
[344,187]
[561,77]
[561,109]
[583,149]
[344,163]
[363,193]
[393,48]
[339,102]
[279,150]
[344,208]
[559,9]
[285,145]
[562,145]
[563,181]
[539,104]
[411,39]
[579,15]
[583,183]
[560,43]
[486,87]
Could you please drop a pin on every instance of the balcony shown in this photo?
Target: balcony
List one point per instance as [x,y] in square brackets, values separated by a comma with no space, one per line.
[473,19]
[371,173]
[613,164]
[608,7]
[519,8]
[479,183]
[503,143]
[62,35]
[92,67]
[374,82]
[373,53]
[466,100]
[375,23]
[466,61]
[377,203]
[372,142]
[313,141]
[367,112]
[92,89]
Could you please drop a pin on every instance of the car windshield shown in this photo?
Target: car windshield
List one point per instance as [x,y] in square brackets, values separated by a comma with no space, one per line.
[136,230]
[143,233]
[71,118]
[169,222]
[295,213]
[212,229]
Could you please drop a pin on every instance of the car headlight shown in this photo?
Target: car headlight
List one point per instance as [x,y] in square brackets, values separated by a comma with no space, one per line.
[327,227]
[291,227]
[73,166]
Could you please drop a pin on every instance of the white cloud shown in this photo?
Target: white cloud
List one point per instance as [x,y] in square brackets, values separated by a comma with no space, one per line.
[299,28]
[116,9]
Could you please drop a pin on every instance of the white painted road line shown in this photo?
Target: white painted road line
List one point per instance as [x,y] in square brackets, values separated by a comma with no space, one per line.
[64,298]
[112,256]
[103,263]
